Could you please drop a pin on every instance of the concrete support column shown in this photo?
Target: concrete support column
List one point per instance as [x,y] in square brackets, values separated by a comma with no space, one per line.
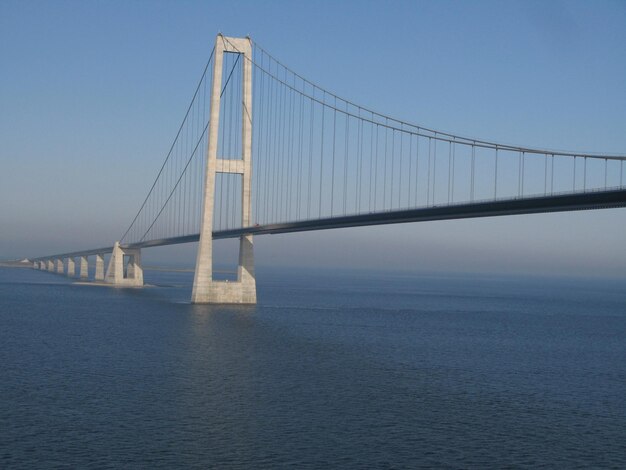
[99,267]
[130,275]
[83,268]
[35,265]
[205,289]
[71,267]
[59,266]
[50,265]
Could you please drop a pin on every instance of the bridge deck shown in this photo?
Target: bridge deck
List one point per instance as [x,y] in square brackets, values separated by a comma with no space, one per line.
[529,205]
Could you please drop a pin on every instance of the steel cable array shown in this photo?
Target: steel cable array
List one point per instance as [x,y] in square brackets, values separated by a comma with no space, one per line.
[316,155]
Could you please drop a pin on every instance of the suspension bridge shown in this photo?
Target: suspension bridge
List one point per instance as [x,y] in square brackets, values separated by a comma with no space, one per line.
[262,150]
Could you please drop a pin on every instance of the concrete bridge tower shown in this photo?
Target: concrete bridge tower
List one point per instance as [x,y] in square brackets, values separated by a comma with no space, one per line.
[205,288]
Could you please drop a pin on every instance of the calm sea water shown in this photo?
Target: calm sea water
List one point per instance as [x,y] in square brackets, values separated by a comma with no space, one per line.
[328,370]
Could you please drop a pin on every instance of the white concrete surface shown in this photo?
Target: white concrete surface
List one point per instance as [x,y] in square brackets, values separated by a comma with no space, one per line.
[133,277]
[205,289]
[83,272]
[99,267]
[71,267]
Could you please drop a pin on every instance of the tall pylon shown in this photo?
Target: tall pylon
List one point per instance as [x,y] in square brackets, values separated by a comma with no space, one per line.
[205,288]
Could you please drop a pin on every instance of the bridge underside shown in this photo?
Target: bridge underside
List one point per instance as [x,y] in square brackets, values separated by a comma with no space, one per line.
[535,205]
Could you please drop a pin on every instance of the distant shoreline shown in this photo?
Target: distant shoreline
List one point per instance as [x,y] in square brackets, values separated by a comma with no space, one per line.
[15,264]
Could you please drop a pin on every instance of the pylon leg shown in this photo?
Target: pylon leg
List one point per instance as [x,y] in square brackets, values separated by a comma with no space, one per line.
[99,267]
[83,272]
[71,267]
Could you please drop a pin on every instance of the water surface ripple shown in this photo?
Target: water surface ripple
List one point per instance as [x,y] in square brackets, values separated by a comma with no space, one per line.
[328,370]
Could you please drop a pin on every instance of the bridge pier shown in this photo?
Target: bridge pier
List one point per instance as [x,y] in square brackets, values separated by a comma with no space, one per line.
[205,289]
[99,267]
[83,272]
[50,265]
[132,276]
[71,267]
[59,265]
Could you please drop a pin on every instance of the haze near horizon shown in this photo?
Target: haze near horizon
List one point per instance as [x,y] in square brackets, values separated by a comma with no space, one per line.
[93,94]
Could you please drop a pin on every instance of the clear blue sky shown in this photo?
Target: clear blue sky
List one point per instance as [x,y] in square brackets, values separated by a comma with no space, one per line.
[91,94]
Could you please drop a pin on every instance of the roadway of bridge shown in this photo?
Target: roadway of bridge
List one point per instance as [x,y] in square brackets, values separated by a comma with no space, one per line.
[609,199]
[528,205]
